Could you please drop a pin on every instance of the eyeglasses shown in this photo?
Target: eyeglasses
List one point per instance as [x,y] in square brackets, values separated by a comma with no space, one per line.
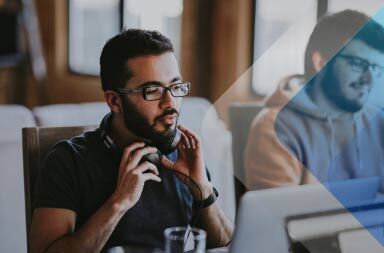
[361,65]
[157,92]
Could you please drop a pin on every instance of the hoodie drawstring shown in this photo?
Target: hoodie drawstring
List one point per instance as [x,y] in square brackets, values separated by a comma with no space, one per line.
[357,127]
[332,145]
[332,137]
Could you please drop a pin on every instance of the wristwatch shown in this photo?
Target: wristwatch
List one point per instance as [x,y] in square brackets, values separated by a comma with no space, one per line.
[201,204]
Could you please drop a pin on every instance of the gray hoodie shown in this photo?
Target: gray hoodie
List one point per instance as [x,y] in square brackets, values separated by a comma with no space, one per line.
[350,146]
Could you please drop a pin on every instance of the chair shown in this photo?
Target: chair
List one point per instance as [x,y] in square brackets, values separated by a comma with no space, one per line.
[241,116]
[37,141]
[64,115]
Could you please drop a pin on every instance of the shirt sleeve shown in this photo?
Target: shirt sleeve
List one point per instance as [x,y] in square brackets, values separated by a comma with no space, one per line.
[57,185]
[268,163]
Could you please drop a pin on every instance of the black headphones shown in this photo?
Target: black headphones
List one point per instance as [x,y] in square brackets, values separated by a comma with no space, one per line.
[155,158]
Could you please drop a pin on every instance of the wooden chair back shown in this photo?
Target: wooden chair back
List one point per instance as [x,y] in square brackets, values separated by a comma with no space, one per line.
[37,141]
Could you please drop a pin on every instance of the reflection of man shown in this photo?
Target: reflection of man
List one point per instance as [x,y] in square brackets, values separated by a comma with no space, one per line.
[305,136]
[94,192]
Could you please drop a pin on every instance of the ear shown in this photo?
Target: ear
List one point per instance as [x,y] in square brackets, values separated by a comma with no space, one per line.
[113,101]
[318,61]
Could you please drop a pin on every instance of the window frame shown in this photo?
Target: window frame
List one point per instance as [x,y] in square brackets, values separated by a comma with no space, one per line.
[121,26]
[322,8]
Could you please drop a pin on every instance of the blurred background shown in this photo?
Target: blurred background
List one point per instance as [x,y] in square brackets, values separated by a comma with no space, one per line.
[232,51]
[49,50]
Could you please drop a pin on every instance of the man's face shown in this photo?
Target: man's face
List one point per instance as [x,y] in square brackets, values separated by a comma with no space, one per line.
[346,87]
[155,120]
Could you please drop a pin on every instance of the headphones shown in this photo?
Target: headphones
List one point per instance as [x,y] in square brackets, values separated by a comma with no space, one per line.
[163,149]
[155,158]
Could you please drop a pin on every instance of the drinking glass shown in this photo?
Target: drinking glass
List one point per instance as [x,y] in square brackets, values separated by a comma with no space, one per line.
[185,239]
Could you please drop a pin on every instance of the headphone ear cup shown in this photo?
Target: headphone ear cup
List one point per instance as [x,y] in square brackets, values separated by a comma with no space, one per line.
[154,158]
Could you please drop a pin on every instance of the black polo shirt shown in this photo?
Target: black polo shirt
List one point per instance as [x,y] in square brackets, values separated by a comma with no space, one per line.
[81,174]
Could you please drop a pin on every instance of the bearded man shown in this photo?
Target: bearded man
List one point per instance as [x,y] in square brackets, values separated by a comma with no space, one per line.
[321,126]
[114,186]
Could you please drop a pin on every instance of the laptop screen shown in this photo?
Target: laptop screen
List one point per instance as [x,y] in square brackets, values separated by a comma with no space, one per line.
[338,230]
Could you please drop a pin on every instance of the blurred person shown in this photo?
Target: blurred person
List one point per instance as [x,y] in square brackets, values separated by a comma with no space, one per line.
[95,191]
[308,131]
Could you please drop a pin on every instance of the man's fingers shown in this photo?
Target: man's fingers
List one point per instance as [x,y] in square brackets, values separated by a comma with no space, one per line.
[196,141]
[181,150]
[192,141]
[168,164]
[192,137]
[184,140]
[151,176]
[147,166]
[129,149]
[139,153]
[188,132]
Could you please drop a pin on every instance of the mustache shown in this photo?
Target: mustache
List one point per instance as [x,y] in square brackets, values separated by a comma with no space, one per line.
[359,84]
[167,112]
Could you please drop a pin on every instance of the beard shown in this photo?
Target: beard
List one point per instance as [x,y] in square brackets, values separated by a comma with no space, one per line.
[331,87]
[140,126]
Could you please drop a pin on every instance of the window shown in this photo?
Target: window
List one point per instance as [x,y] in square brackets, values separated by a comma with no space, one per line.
[93,22]
[10,45]
[282,29]
[164,16]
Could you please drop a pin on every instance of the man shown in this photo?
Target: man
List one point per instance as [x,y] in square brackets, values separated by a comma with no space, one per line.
[96,192]
[314,134]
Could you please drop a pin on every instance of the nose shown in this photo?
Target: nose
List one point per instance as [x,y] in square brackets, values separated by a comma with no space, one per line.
[167,101]
[367,76]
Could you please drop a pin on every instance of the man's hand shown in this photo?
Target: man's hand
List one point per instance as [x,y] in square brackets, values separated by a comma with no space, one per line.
[191,162]
[53,229]
[131,178]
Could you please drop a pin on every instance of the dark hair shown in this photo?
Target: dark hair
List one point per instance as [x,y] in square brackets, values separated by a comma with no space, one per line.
[114,72]
[332,32]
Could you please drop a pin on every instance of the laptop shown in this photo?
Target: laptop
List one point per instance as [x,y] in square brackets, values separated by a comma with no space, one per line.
[336,231]
[267,218]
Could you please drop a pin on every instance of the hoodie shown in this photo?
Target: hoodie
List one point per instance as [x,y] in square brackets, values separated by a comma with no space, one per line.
[293,141]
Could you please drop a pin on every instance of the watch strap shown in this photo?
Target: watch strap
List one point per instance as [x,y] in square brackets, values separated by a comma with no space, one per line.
[206,202]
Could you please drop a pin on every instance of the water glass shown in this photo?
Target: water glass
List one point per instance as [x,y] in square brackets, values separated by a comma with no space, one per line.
[185,239]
